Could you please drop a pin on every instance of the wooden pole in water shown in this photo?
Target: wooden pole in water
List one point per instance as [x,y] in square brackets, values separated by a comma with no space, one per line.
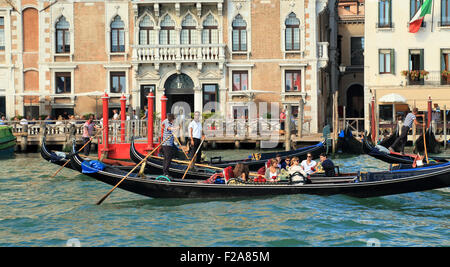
[445,127]
[287,135]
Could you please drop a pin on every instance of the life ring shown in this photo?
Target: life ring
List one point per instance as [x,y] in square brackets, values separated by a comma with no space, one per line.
[162,176]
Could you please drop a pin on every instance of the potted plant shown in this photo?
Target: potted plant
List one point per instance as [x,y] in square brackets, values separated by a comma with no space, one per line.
[415,75]
[445,76]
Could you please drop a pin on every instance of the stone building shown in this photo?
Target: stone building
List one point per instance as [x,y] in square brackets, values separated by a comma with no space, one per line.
[351,58]
[392,53]
[61,56]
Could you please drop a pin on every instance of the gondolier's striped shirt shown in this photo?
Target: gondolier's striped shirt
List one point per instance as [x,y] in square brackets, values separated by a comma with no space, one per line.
[166,133]
[409,120]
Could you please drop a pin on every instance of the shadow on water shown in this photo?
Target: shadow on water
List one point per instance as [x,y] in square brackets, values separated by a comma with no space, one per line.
[174,202]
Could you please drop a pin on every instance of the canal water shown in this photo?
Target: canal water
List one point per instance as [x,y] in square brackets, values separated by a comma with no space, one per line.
[38,211]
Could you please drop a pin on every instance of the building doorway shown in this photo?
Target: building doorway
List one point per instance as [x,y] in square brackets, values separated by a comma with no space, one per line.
[355,102]
[2,105]
[145,90]
[179,90]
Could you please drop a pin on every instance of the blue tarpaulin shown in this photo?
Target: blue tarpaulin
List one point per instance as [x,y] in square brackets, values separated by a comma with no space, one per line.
[92,166]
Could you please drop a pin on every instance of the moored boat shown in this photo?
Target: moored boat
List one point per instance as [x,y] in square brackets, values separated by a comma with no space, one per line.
[7,142]
[382,153]
[370,184]
[254,161]
[347,143]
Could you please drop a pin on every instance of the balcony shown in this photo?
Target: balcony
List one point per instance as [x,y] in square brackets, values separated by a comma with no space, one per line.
[200,53]
[434,78]
[322,53]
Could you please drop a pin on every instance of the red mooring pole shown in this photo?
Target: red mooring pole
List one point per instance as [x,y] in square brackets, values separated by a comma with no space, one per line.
[123,111]
[373,121]
[430,110]
[150,104]
[105,100]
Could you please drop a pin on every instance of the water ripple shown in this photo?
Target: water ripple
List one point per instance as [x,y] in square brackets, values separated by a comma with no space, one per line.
[36,210]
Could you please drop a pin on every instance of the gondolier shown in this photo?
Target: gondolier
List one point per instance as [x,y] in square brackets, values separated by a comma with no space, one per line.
[407,124]
[168,145]
[195,135]
[88,132]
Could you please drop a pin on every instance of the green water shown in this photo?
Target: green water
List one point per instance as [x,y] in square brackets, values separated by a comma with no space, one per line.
[38,211]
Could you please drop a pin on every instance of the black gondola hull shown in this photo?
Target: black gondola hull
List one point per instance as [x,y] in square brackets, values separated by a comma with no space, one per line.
[395,183]
[370,150]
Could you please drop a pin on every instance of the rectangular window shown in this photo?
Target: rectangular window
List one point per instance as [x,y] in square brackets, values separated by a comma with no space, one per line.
[357,51]
[118,82]
[384,14]
[240,80]
[210,94]
[293,81]
[63,82]
[117,40]
[445,66]
[239,39]
[386,112]
[386,61]
[2,33]
[445,12]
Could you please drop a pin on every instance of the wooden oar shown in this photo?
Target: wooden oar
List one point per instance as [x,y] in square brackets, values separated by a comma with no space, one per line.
[181,146]
[425,141]
[79,150]
[201,165]
[193,158]
[132,170]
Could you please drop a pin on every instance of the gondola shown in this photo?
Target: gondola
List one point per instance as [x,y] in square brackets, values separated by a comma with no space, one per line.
[371,184]
[392,157]
[60,158]
[347,143]
[433,146]
[255,161]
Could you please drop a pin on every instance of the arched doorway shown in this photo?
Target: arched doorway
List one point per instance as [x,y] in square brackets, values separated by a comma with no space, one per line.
[179,88]
[355,101]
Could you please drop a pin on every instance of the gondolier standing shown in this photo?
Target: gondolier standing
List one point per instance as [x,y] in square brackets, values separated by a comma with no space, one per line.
[195,135]
[168,145]
[407,124]
[88,132]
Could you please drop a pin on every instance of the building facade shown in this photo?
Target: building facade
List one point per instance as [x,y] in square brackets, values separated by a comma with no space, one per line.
[403,69]
[62,56]
[351,58]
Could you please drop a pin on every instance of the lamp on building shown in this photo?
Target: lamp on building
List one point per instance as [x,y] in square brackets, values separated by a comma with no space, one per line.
[342,69]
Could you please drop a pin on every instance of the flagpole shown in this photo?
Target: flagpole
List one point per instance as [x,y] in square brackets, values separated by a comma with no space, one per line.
[432,15]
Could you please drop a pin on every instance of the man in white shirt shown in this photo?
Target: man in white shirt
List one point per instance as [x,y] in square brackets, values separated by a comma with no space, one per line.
[195,136]
[308,164]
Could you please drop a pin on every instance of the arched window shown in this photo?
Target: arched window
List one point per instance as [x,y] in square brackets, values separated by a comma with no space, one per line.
[146,31]
[292,35]
[239,34]
[117,35]
[210,33]
[167,32]
[188,30]
[62,36]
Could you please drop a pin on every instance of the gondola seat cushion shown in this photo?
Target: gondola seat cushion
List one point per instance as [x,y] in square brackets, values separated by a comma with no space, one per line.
[92,166]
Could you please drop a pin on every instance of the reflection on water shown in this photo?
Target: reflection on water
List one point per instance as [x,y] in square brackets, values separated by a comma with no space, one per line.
[38,211]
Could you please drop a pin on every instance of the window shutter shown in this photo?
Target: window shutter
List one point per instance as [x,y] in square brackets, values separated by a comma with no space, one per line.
[392,61]
[390,13]
[421,60]
[379,13]
[380,70]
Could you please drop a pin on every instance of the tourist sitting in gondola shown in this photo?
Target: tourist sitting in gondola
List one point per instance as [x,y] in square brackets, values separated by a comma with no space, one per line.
[272,172]
[308,164]
[296,173]
[241,172]
[327,165]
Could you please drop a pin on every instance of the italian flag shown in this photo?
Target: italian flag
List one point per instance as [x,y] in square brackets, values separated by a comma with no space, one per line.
[416,21]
